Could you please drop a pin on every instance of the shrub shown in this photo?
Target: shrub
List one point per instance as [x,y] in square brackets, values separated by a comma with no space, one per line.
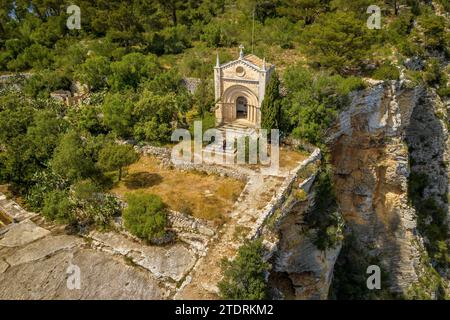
[301,195]
[94,72]
[131,70]
[41,84]
[116,156]
[244,276]
[208,122]
[432,73]
[145,216]
[57,206]
[176,39]
[386,72]
[70,158]
[313,101]
[212,35]
[94,205]
[323,217]
[431,219]
[44,182]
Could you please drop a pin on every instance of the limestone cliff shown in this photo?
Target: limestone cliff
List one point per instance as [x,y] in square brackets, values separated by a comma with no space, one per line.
[300,269]
[387,133]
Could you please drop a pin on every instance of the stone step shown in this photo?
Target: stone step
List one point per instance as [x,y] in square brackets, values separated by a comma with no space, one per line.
[218,150]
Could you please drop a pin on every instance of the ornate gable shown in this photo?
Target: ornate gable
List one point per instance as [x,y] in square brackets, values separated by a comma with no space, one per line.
[239,88]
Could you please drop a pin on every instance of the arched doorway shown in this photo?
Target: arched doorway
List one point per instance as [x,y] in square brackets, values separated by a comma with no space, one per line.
[239,102]
[241,108]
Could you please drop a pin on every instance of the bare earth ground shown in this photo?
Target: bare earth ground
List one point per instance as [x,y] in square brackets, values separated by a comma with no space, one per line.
[35,255]
[201,283]
[203,196]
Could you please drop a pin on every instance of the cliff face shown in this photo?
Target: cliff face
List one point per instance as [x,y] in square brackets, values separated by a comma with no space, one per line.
[387,133]
[300,270]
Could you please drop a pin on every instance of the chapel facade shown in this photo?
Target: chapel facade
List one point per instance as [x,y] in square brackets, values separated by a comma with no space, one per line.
[240,86]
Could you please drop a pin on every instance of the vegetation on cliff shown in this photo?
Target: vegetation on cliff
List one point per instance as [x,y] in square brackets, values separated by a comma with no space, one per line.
[133,58]
[244,277]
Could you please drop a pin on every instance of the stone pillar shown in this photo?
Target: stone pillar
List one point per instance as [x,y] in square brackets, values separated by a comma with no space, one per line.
[218,93]
[253,114]
[258,118]
[219,114]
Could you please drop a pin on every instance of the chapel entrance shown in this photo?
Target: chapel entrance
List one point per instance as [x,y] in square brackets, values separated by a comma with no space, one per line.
[241,108]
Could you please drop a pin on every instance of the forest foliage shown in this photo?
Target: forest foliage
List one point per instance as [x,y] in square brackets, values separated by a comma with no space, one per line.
[134,56]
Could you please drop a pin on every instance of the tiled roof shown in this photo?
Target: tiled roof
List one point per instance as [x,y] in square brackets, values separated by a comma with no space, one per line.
[256,61]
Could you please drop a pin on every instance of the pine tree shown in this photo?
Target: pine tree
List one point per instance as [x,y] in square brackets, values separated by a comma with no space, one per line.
[270,108]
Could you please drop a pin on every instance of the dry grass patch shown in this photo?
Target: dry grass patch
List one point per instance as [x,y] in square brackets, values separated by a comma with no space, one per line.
[204,196]
[289,159]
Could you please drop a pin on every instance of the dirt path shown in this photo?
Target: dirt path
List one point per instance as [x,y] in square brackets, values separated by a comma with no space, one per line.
[201,283]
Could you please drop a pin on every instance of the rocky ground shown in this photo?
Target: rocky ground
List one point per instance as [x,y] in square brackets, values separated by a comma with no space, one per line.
[36,256]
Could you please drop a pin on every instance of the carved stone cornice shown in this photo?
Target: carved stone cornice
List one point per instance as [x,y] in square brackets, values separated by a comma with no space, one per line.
[247,63]
[240,80]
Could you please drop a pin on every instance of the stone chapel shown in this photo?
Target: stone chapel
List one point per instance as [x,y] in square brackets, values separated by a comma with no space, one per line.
[240,86]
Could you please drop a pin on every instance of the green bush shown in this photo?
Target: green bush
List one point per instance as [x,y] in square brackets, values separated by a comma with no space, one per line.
[58,207]
[208,122]
[41,84]
[339,41]
[386,72]
[44,182]
[116,156]
[117,111]
[94,205]
[323,216]
[35,56]
[244,277]
[212,35]
[433,74]
[145,216]
[431,219]
[71,159]
[176,39]
[313,101]
[131,70]
[94,72]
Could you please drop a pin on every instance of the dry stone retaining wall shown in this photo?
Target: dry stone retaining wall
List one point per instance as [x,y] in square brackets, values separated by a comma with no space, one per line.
[285,189]
[164,155]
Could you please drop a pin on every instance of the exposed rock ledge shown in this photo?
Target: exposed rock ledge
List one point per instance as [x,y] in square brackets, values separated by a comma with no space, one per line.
[369,151]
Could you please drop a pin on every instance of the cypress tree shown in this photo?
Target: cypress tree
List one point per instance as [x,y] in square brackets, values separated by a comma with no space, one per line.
[270,108]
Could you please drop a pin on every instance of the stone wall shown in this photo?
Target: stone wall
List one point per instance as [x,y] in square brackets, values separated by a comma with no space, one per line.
[279,200]
[299,269]
[164,155]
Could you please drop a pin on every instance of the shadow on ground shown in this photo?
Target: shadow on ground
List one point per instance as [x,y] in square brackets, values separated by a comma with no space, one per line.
[140,180]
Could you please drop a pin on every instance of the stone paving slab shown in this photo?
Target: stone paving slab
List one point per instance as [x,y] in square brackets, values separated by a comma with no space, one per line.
[171,261]
[102,276]
[43,248]
[174,262]
[3,266]
[22,233]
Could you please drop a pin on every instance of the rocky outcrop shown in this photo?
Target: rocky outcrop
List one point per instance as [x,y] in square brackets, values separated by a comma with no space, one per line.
[300,270]
[369,152]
